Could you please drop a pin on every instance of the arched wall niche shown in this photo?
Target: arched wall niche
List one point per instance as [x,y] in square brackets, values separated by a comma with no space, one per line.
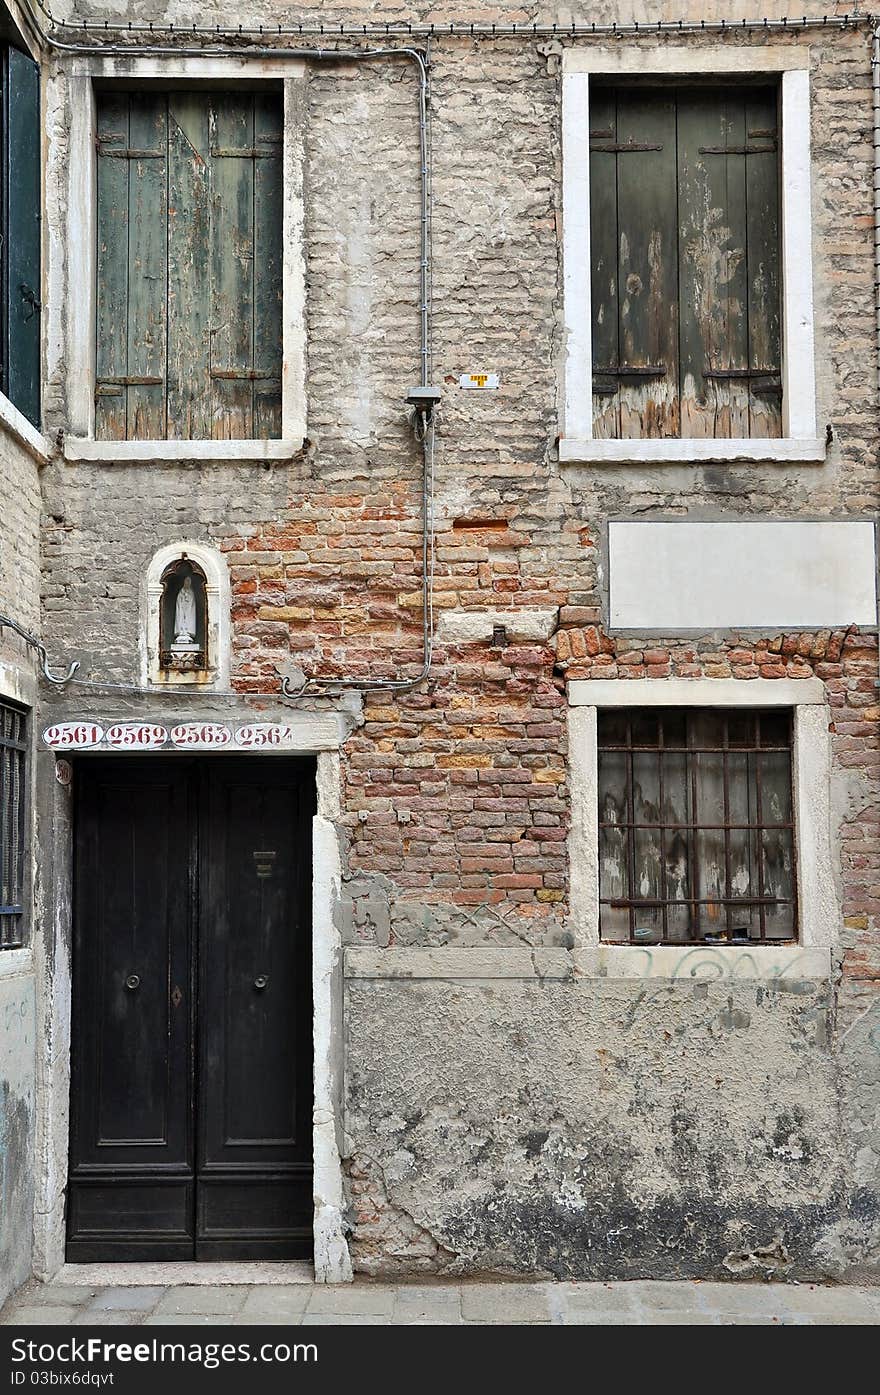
[185,639]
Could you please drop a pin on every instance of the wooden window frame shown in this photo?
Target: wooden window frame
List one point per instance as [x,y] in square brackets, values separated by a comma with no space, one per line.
[817,893]
[80,295]
[799,441]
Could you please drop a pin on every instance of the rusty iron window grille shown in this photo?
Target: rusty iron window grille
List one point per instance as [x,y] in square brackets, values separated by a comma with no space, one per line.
[13,801]
[696,827]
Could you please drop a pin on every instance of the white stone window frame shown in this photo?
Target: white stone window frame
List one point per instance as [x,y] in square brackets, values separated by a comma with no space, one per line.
[799,442]
[81,250]
[819,905]
[217,633]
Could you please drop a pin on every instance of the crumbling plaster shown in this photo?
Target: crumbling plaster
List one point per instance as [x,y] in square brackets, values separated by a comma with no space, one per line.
[596,1129]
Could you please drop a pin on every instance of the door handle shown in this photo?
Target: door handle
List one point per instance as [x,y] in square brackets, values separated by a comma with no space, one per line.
[132,982]
[261,981]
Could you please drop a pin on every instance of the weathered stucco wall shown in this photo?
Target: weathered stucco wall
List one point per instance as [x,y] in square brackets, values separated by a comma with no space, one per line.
[589,1127]
[20,600]
[598,1130]
[17,1040]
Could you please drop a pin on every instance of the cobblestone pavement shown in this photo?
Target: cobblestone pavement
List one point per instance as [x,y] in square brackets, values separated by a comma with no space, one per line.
[627,1304]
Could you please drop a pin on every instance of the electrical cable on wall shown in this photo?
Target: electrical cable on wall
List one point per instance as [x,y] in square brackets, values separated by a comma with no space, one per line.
[58,680]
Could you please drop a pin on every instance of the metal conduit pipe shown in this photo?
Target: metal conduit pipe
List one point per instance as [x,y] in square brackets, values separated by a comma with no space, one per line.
[463,29]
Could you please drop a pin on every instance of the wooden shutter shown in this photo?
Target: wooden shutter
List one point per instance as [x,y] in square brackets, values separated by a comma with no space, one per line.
[21,273]
[633,232]
[684,209]
[189,266]
[728,213]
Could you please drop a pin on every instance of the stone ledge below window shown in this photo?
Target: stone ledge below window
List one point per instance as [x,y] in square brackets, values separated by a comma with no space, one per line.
[160,452]
[691,451]
[766,961]
[784,962]
[24,432]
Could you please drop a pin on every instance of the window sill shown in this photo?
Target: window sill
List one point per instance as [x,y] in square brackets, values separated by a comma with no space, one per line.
[21,430]
[704,961]
[123,452]
[694,451]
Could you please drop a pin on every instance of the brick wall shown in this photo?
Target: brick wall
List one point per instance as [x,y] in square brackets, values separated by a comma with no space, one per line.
[455,800]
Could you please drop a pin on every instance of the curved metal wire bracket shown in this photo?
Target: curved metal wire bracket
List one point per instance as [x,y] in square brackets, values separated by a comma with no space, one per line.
[294,685]
[56,679]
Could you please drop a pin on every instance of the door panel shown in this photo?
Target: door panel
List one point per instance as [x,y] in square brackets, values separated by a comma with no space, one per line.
[191,1116]
[255,1134]
[132,1081]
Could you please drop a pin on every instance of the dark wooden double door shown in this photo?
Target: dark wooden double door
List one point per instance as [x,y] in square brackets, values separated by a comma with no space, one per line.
[191,1094]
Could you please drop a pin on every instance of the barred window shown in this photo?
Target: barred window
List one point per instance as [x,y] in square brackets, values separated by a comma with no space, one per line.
[696,828]
[13,787]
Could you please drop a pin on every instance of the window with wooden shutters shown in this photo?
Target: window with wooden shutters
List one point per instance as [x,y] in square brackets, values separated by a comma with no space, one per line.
[189,266]
[20,306]
[684,229]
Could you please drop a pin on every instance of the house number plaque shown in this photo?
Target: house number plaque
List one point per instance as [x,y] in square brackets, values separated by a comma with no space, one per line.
[152,736]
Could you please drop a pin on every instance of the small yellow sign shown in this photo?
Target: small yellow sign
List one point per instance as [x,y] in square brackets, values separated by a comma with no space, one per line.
[479,380]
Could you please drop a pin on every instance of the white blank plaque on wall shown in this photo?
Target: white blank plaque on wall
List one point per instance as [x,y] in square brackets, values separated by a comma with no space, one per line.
[676,575]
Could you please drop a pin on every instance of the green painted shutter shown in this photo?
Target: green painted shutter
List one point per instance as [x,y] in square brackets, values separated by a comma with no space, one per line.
[684,198]
[635,275]
[603,256]
[21,233]
[189,267]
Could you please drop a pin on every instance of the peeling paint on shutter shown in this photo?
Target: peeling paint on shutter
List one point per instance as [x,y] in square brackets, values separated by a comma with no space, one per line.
[189,287]
[685,276]
[21,264]
[189,266]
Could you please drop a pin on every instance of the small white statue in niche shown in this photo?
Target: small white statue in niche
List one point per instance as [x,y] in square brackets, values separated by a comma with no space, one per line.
[185,617]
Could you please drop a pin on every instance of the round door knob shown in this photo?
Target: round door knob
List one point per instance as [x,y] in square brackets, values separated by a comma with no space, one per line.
[261,980]
[132,982]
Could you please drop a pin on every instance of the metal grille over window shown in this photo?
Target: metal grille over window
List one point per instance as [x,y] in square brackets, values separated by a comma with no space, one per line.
[13,756]
[696,828]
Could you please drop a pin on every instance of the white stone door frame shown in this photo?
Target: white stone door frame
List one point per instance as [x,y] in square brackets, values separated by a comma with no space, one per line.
[318,734]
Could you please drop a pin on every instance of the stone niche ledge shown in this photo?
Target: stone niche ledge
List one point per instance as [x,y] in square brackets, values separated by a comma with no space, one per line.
[475,626]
